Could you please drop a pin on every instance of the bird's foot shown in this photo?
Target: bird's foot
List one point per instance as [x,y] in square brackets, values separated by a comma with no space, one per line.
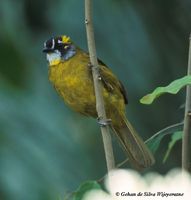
[90,65]
[103,122]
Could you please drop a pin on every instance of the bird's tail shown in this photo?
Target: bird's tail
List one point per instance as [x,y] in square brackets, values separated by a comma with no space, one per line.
[138,153]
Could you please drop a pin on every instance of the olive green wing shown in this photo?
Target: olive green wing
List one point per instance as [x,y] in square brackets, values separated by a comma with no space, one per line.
[110,81]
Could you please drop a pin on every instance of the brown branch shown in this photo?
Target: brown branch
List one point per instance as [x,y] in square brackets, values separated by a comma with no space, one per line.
[187,120]
[98,86]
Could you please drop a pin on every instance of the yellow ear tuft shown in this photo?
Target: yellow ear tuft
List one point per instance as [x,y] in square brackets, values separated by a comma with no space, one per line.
[66,39]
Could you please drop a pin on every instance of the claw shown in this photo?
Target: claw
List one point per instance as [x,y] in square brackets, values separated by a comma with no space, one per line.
[103,122]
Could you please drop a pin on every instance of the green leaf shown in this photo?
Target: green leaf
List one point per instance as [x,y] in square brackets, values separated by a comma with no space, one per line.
[175,137]
[154,141]
[84,187]
[172,88]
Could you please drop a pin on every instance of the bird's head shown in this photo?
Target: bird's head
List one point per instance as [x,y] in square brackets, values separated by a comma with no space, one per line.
[59,49]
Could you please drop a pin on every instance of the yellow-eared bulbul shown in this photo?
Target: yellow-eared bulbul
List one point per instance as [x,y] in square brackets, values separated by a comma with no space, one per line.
[70,73]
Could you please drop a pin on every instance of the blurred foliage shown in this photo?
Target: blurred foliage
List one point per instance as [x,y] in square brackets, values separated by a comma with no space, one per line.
[155,141]
[46,149]
[85,187]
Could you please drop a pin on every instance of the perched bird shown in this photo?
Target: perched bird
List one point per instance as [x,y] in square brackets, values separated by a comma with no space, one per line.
[70,73]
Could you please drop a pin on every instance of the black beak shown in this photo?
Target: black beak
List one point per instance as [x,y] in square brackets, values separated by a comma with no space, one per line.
[47,50]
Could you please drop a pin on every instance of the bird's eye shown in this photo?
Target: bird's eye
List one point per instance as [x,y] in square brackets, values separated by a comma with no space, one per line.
[49,44]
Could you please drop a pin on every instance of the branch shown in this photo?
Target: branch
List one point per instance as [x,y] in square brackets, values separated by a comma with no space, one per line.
[187,120]
[98,86]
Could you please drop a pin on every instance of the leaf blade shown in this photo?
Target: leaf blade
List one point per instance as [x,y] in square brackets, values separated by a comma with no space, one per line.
[173,88]
[174,138]
[154,141]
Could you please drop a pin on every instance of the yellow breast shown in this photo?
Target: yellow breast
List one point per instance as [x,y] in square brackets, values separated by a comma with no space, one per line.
[73,81]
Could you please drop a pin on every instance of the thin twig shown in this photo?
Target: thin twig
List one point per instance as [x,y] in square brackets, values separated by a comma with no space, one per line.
[98,86]
[187,120]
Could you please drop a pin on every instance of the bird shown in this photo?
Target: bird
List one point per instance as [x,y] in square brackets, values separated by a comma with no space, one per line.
[70,72]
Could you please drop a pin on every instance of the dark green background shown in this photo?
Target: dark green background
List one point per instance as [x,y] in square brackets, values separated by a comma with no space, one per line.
[46,150]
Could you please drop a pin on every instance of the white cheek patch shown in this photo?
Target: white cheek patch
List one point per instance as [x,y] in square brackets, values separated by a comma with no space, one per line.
[53,44]
[51,57]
